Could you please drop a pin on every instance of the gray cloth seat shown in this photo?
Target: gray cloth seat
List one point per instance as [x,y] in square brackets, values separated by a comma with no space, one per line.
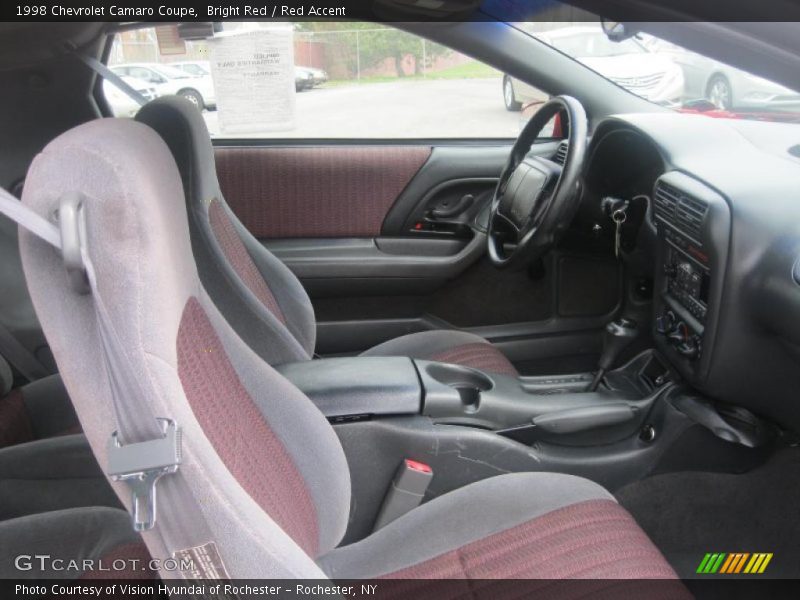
[268,473]
[35,411]
[78,543]
[51,474]
[44,464]
[259,296]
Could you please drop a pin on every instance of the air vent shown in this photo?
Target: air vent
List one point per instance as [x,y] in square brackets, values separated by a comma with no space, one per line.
[561,154]
[666,201]
[690,215]
[681,210]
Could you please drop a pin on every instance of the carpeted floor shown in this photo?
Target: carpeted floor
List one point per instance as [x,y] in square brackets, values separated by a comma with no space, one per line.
[688,514]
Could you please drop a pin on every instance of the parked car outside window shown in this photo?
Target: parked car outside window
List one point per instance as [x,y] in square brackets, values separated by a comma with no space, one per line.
[171,80]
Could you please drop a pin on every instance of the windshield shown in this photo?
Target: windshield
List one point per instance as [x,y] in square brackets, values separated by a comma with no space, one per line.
[669,75]
[594,44]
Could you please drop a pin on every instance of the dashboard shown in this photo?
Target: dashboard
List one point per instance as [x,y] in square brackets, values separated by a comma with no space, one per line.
[722,231]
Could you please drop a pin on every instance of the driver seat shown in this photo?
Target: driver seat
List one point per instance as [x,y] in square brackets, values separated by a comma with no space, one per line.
[258,295]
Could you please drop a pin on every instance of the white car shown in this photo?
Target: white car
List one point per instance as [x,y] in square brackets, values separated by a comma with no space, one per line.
[195,68]
[170,80]
[629,64]
[122,105]
[725,87]
[317,76]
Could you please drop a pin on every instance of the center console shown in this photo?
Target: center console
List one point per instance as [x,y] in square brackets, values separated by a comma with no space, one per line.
[524,409]
[693,223]
[467,425]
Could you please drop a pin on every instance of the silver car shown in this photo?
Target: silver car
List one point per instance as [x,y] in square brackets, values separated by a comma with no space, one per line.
[725,87]
[629,64]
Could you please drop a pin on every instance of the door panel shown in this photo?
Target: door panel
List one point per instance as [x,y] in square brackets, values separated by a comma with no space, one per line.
[316,192]
[357,225]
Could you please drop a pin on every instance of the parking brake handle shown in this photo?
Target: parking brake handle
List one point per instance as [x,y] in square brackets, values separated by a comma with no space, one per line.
[585,418]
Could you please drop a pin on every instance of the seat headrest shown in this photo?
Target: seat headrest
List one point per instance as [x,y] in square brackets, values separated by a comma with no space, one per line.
[182,127]
[137,229]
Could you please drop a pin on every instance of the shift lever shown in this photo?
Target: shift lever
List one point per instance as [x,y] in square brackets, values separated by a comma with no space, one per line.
[617,336]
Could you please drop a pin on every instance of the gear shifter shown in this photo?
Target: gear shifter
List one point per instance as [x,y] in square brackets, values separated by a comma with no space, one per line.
[617,336]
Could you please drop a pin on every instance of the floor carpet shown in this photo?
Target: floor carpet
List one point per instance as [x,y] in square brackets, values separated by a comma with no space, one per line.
[688,514]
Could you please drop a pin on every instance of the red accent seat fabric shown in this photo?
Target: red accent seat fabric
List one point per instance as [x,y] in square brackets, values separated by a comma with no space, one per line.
[595,539]
[15,425]
[456,347]
[482,356]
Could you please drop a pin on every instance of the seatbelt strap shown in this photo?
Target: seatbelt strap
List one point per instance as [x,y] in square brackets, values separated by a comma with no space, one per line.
[144,448]
[104,72]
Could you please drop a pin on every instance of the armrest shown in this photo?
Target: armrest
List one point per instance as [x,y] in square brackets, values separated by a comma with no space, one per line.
[361,385]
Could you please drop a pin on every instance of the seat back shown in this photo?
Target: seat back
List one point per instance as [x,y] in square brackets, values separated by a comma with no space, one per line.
[260,297]
[267,470]
[6,377]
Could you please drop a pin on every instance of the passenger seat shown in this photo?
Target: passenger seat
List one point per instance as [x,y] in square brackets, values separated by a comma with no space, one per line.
[265,471]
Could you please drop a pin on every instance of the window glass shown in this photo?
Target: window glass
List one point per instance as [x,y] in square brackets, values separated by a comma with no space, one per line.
[669,75]
[351,81]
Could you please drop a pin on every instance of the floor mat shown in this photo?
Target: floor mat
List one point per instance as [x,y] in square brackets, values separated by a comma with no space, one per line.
[688,514]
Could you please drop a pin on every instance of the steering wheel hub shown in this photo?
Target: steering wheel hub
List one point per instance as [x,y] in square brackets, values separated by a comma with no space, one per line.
[536,198]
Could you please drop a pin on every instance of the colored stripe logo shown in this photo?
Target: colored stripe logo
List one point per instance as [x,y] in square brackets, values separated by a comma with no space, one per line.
[734,563]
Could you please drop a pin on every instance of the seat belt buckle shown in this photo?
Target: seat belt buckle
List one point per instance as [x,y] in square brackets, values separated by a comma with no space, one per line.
[406,492]
[141,465]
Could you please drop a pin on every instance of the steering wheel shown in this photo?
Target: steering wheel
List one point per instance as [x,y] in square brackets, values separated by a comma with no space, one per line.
[536,198]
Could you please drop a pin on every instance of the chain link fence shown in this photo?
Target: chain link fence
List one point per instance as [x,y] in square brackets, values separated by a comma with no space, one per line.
[357,55]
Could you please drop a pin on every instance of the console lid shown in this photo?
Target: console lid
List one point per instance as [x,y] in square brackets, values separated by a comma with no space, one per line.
[360,385]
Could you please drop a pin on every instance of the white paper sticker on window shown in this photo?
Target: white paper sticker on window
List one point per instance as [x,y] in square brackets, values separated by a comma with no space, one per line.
[253,74]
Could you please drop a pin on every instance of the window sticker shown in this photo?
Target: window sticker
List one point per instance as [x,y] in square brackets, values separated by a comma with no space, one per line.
[253,73]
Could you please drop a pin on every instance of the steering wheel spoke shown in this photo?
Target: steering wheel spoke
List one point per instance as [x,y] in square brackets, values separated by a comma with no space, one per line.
[535,195]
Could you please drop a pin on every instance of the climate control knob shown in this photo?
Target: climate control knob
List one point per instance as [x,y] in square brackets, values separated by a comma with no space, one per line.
[690,348]
[665,323]
[679,334]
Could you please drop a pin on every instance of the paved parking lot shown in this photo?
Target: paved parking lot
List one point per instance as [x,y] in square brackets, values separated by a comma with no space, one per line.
[449,108]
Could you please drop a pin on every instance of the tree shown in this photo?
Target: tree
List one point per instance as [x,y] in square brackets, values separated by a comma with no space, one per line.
[375,44]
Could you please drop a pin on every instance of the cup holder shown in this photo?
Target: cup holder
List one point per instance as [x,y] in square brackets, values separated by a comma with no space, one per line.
[467,382]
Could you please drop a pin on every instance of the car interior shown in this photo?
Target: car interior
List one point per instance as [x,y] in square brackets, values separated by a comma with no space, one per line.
[572,354]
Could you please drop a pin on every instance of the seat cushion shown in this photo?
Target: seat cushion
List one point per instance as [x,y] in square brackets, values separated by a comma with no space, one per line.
[38,410]
[517,526]
[457,347]
[51,474]
[85,543]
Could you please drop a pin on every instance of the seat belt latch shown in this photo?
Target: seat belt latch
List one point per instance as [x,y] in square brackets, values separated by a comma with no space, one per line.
[141,465]
[406,492]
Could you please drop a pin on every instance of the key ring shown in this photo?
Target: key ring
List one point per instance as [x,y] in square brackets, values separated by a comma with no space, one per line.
[619,216]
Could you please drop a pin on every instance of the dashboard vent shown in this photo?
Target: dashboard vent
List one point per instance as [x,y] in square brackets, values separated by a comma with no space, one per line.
[561,154]
[679,209]
[666,201]
[690,215]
